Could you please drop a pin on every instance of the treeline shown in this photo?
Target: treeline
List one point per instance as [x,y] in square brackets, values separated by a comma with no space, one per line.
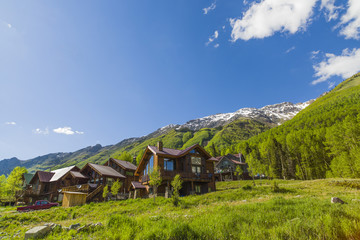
[12,186]
[321,141]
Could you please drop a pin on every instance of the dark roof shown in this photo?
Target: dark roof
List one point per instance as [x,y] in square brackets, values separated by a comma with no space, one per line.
[44,176]
[77,174]
[213,159]
[174,152]
[125,164]
[106,171]
[137,185]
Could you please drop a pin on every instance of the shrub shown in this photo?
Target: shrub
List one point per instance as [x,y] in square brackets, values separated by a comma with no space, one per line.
[247,187]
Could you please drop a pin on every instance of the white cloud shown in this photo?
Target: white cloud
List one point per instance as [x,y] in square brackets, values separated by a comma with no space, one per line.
[40,131]
[213,37]
[331,11]
[216,45]
[290,49]
[66,131]
[267,17]
[352,20]
[10,123]
[210,8]
[314,54]
[345,65]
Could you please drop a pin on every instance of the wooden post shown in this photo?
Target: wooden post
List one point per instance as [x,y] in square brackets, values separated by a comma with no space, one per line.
[192,187]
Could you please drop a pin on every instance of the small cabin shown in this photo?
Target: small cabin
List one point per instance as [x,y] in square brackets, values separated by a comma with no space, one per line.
[72,199]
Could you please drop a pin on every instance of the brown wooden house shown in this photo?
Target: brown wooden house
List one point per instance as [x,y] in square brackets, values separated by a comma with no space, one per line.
[225,168]
[125,168]
[194,164]
[99,176]
[46,185]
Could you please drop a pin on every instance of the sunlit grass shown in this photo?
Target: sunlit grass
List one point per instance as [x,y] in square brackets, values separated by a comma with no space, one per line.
[238,210]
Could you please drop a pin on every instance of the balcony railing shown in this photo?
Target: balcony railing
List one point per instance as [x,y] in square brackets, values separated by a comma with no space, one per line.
[77,188]
[188,175]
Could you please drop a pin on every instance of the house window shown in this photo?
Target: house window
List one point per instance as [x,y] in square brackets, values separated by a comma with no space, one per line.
[149,166]
[196,164]
[169,164]
[197,189]
[109,181]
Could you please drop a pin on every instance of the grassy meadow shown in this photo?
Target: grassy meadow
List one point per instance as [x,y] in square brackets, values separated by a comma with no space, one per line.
[237,210]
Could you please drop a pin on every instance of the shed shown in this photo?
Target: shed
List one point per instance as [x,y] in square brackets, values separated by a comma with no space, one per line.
[73,199]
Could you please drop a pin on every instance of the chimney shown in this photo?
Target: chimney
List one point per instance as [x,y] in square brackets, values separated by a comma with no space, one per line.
[134,160]
[160,145]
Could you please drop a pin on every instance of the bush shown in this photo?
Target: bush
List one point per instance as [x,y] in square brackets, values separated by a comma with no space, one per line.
[247,187]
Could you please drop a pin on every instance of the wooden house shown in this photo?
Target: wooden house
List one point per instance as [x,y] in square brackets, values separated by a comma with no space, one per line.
[225,168]
[46,185]
[194,164]
[100,175]
[125,168]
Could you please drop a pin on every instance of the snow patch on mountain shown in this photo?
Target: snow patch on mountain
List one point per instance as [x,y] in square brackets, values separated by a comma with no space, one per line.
[276,113]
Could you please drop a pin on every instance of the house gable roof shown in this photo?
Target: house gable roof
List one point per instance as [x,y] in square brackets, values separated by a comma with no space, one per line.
[42,176]
[231,158]
[59,173]
[104,170]
[28,177]
[124,164]
[175,153]
[76,174]
[137,185]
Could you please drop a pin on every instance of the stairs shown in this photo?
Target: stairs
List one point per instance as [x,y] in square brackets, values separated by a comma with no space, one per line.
[91,195]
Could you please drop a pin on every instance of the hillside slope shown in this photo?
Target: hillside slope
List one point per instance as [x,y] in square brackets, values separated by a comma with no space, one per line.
[321,141]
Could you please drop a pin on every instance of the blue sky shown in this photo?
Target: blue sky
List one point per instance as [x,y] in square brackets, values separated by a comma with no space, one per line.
[78,73]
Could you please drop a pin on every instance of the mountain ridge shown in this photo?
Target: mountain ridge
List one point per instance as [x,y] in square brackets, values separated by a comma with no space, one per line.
[269,115]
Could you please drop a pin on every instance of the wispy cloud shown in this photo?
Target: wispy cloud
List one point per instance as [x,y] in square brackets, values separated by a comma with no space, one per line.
[344,65]
[331,11]
[41,131]
[213,37]
[6,24]
[216,45]
[210,8]
[314,54]
[66,131]
[290,49]
[351,21]
[265,18]
[10,123]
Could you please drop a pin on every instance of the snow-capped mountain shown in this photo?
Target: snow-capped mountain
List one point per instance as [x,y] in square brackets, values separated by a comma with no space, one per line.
[276,114]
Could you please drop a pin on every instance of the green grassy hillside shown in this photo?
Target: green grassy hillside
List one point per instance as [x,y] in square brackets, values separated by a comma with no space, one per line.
[321,141]
[238,210]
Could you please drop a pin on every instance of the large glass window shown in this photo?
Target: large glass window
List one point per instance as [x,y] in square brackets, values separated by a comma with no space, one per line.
[151,162]
[169,164]
[196,160]
[196,164]
[149,166]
